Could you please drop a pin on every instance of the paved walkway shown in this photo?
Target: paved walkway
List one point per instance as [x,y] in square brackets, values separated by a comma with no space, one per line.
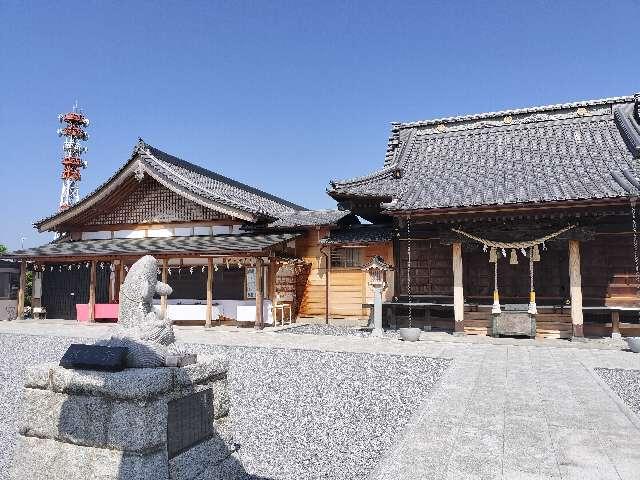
[506,409]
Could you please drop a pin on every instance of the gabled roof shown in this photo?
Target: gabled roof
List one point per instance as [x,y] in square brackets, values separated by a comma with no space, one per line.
[191,181]
[573,151]
[246,243]
[313,218]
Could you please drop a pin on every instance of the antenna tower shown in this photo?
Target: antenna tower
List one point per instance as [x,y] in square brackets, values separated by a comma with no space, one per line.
[72,161]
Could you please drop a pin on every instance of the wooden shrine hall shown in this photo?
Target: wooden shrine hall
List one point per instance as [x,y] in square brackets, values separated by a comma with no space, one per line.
[210,234]
[525,213]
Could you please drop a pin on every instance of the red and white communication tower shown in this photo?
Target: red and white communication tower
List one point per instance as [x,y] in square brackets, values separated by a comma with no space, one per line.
[72,160]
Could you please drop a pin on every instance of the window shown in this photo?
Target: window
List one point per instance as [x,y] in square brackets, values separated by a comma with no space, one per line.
[346,257]
[9,285]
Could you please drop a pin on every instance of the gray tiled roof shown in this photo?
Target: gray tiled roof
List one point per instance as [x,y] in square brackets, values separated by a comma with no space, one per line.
[311,218]
[217,187]
[187,177]
[214,245]
[584,150]
[359,235]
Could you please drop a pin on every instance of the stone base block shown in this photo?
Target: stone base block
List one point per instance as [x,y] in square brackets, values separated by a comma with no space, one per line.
[48,459]
[103,425]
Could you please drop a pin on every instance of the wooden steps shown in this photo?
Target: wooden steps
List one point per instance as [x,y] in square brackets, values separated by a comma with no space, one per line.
[548,325]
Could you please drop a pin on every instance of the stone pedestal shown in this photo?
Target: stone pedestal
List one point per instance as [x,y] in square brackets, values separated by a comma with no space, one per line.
[514,320]
[81,424]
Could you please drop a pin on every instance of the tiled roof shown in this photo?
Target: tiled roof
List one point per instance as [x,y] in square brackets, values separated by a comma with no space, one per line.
[359,235]
[217,187]
[311,218]
[212,245]
[204,186]
[576,151]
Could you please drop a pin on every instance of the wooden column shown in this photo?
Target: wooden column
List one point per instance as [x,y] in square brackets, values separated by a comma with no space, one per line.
[207,323]
[22,289]
[458,291]
[92,292]
[119,280]
[273,271]
[615,324]
[575,284]
[259,325]
[163,298]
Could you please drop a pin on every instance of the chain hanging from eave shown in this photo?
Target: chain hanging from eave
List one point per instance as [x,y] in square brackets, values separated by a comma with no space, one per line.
[634,224]
[409,271]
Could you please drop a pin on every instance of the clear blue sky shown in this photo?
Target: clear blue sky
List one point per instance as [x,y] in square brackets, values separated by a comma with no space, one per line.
[281,95]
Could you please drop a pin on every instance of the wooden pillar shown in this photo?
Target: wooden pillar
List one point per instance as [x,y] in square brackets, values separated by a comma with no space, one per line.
[22,289]
[163,298]
[575,284]
[273,271]
[259,325]
[458,291]
[207,322]
[615,324]
[119,280]
[92,292]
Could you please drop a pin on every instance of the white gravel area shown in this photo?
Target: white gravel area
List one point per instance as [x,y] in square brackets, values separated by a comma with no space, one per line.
[625,383]
[297,414]
[316,329]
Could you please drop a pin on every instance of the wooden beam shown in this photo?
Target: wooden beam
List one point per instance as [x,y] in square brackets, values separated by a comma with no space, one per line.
[575,285]
[92,292]
[207,322]
[259,325]
[458,290]
[163,298]
[22,289]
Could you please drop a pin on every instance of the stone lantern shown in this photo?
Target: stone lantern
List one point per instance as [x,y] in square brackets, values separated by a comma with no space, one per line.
[377,270]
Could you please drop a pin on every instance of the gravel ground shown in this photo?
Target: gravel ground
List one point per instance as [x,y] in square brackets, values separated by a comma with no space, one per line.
[296,414]
[626,384]
[314,329]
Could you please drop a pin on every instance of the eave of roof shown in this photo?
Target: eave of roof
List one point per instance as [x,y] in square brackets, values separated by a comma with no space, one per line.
[221,245]
[359,235]
[191,181]
[312,218]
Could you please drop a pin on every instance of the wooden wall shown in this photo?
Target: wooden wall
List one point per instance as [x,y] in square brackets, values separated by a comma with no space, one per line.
[348,289]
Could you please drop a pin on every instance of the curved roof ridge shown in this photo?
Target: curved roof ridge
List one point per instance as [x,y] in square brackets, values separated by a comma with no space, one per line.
[516,111]
[167,157]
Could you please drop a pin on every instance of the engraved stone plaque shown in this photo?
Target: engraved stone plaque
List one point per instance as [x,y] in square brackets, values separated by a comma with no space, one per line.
[189,421]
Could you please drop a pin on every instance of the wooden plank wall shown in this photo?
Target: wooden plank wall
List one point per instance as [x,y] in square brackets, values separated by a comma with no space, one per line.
[347,286]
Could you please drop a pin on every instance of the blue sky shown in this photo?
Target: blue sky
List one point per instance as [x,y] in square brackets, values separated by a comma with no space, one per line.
[281,95]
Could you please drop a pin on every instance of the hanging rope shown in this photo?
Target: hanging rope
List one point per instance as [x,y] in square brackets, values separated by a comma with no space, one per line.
[635,243]
[495,309]
[409,269]
[533,309]
[513,245]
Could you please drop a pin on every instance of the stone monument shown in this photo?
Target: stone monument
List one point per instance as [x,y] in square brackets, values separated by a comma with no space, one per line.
[147,422]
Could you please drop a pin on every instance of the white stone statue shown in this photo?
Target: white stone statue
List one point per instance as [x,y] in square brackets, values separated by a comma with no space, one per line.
[141,329]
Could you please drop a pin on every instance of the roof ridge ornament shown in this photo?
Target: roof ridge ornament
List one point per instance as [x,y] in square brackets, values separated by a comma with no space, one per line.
[138,173]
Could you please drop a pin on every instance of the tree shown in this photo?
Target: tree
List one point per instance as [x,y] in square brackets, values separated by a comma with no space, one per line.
[2,248]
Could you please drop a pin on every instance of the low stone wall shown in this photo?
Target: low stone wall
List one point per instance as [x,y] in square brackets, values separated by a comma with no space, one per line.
[101,425]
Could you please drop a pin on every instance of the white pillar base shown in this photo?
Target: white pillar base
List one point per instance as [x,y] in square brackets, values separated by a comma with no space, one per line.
[377,333]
